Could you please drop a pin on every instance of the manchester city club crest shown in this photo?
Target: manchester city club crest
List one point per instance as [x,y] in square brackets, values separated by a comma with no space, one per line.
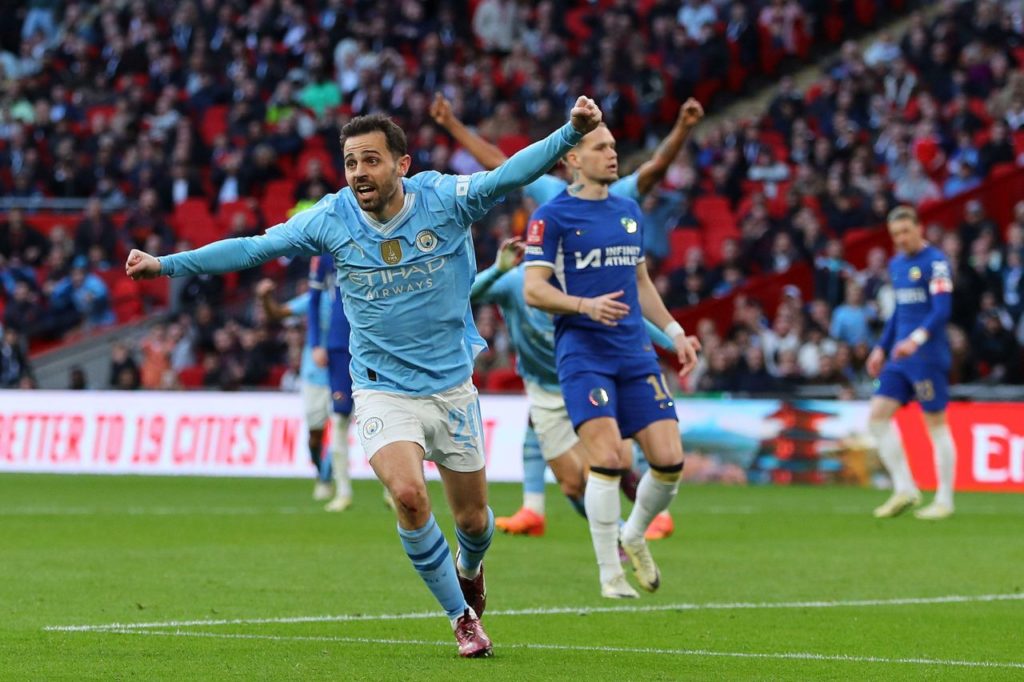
[629,224]
[372,427]
[915,273]
[426,241]
[391,251]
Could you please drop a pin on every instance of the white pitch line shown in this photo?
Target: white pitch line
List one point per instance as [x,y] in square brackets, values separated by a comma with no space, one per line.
[782,655]
[551,611]
[156,511]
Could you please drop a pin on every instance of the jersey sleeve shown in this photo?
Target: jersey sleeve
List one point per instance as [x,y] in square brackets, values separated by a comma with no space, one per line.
[474,195]
[544,189]
[490,286]
[543,241]
[317,278]
[303,234]
[298,305]
[940,286]
[627,187]
[658,337]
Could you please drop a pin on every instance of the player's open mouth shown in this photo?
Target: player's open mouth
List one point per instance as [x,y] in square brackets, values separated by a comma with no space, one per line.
[365,191]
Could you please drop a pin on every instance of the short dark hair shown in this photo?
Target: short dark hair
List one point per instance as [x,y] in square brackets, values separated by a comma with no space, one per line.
[903,212]
[363,125]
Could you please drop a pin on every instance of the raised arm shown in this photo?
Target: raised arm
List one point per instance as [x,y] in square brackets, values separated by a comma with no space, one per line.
[510,253]
[274,311]
[301,235]
[653,171]
[530,163]
[654,311]
[486,154]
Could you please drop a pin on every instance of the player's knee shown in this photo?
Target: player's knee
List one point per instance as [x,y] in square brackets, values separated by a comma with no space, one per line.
[472,521]
[668,473]
[316,440]
[607,457]
[411,498]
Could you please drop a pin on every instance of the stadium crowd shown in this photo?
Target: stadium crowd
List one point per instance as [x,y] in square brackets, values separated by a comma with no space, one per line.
[220,117]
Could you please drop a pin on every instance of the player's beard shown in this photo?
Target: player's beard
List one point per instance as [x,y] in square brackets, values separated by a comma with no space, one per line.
[379,198]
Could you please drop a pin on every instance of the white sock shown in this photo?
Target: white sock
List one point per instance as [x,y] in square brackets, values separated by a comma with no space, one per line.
[945,463]
[653,496]
[890,450]
[601,500]
[339,454]
[534,502]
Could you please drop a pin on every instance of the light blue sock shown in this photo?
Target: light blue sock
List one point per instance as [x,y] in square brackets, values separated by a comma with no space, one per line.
[326,472]
[474,547]
[534,465]
[430,556]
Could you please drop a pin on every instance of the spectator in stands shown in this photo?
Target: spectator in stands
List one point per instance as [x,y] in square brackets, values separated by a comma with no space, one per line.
[77,379]
[87,293]
[831,272]
[20,241]
[182,184]
[995,349]
[964,179]
[146,220]
[15,369]
[96,229]
[851,321]
[495,24]
[124,373]
[915,187]
[998,149]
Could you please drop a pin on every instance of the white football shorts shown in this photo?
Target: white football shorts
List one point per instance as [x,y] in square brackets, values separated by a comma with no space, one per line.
[446,425]
[550,421]
[316,400]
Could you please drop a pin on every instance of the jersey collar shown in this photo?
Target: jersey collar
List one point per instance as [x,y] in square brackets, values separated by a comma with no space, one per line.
[389,226]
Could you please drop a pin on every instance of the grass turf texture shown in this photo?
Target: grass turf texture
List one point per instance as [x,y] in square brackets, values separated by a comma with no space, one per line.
[94,550]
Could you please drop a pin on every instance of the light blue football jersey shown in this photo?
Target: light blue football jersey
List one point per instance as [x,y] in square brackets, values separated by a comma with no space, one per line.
[547,187]
[405,282]
[309,371]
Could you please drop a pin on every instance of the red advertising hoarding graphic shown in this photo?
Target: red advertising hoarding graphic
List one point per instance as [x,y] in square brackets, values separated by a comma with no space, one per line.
[989,441]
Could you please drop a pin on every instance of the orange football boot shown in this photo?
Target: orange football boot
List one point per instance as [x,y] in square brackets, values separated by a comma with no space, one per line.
[661,527]
[523,522]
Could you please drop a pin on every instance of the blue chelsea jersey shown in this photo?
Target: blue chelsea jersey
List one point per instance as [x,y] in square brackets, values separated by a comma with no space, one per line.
[593,248]
[923,287]
[323,285]
[405,282]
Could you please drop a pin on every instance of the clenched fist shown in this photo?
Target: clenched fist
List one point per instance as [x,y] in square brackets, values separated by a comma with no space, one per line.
[141,265]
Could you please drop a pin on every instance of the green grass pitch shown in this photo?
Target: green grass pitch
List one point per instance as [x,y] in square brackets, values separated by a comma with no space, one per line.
[248,579]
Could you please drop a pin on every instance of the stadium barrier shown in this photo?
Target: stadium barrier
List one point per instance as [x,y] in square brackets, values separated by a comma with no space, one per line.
[263,434]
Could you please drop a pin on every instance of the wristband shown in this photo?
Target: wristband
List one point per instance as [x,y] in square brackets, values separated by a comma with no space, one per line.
[579,305]
[919,336]
[673,329]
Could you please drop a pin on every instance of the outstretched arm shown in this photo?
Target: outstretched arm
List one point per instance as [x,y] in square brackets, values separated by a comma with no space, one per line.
[486,154]
[301,235]
[653,171]
[530,163]
[274,311]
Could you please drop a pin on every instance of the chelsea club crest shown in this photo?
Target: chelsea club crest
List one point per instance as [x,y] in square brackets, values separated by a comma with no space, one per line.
[915,273]
[629,224]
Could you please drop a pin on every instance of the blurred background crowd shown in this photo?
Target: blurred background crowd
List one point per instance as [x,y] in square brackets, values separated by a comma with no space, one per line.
[166,125]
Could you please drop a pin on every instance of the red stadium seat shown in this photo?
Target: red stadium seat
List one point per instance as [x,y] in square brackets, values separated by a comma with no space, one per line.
[192,377]
[714,212]
[192,221]
[680,241]
[214,122]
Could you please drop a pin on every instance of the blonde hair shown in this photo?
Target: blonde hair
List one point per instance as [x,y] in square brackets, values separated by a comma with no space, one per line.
[903,213]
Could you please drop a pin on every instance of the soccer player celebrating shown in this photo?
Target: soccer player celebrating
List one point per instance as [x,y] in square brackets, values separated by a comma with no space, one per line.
[404,255]
[585,264]
[529,520]
[914,341]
